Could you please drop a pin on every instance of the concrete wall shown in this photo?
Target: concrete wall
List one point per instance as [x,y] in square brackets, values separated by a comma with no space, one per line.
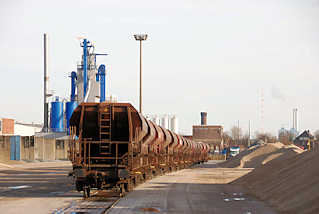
[217,157]
[4,148]
[27,148]
[36,148]
[61,152]
[50,149]
[44,148]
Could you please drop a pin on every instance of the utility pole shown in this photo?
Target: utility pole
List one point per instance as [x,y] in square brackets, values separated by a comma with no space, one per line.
[238,131]
[249,133]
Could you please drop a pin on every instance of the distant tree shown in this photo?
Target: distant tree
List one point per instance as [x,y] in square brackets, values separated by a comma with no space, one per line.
[286,137]
[316,134]
[245,140]
[236,133]
[228,140]
[266,137]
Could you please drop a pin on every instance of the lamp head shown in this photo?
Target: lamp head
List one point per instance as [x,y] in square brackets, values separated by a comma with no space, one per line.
[140,37]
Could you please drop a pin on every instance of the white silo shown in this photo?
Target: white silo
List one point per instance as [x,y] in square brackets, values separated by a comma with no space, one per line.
[174,124]
[148,117]
[165,122]
[157,120]
[152,118]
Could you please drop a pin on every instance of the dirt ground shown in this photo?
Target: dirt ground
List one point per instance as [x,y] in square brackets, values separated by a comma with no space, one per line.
[286,178]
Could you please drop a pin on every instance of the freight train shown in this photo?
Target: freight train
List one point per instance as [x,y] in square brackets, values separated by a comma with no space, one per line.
[114,147]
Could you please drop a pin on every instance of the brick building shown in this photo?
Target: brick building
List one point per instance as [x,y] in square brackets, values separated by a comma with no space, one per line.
[210,134]
[6,126]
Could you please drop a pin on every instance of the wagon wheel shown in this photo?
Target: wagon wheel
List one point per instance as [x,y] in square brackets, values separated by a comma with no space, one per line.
[86,192]
[144,176]
[122,190]
[128,186]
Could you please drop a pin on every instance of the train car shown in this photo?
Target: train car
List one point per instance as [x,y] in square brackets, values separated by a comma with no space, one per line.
[115,147]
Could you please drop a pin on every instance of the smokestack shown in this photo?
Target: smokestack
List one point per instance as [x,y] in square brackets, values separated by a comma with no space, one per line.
[203,120]
[46,81]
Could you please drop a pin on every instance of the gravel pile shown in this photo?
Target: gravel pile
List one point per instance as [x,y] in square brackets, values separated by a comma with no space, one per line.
[284,176]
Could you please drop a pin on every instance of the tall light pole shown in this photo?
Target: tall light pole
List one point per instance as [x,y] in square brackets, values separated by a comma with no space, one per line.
[140,37]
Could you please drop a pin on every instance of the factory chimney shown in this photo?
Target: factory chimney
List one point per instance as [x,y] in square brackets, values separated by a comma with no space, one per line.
[203,120]
[46,81]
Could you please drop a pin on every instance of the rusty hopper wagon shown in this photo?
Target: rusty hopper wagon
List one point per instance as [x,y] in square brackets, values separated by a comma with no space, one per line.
[115,147]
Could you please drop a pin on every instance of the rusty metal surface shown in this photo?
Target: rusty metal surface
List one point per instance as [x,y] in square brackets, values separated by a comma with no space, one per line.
[167,136]
[149,138]
[144,128]
[130,143]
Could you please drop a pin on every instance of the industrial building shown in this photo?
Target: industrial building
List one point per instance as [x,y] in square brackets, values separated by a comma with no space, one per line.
[50,141]
[13,127]
[32,148]
[211,134]
[24,141]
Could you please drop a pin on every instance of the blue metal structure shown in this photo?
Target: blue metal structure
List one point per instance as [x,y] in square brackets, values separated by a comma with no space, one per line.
[57,116]
[101,76]
[85,76]
[88,66]
[69,108]
[14,147]
[73,85]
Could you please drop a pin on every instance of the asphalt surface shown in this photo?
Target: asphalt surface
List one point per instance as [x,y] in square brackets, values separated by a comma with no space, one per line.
[36,187]
[203,189]
[46,188]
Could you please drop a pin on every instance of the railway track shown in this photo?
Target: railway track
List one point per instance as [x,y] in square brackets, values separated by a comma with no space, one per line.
[99,203]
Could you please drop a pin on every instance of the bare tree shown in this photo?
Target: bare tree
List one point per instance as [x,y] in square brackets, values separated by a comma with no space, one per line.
[266,137]
[286,137]
[228,140]
[245,140]
[236,133]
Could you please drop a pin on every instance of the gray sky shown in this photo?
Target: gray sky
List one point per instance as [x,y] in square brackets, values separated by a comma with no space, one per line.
[214,55]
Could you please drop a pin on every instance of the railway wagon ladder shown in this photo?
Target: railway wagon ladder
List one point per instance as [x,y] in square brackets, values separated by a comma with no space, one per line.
[105,119]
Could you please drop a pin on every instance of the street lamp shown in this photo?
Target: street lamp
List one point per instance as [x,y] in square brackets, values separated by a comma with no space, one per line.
[140,37]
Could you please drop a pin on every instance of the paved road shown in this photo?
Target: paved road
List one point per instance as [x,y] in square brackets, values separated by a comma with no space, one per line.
[203,189]
[36,187]
[45,188]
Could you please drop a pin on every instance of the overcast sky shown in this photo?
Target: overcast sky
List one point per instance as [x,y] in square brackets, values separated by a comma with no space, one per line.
[214,55]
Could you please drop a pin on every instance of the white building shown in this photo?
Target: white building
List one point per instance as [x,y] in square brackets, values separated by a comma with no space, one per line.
[24,129]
